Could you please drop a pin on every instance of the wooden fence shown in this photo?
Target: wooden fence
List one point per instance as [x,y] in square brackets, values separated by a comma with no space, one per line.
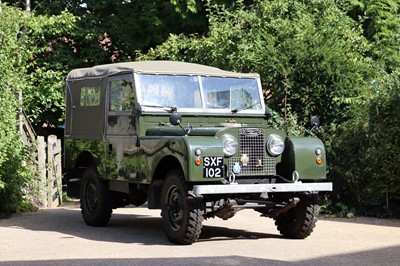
[50,170]
[47,191]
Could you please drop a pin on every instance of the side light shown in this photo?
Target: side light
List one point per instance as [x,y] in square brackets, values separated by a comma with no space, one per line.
[197,151]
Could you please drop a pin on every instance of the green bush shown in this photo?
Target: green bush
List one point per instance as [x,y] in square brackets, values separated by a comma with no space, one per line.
[365,155]
[13,173]
[14,157]
[338,210]
[28,65]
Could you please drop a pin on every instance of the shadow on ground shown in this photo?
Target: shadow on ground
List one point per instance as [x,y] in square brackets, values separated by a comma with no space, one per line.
[122,228]
[379,257]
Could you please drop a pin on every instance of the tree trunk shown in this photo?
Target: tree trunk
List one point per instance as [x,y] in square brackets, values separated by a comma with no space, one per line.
[28,6]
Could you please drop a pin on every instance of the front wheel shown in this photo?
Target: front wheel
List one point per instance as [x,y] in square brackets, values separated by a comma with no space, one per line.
[298,222]
[182,221]
[95,200]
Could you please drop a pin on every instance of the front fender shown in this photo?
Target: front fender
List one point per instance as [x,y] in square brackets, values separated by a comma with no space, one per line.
[209,146]
[153,150]
[301,155]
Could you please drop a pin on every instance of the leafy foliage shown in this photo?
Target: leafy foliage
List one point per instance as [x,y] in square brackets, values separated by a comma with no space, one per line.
[12,154]
[21,38]
[339,209]
[365,150]
[366,155]
[380,20]
[309,54]
[50,45]
[112,30]
[48,42]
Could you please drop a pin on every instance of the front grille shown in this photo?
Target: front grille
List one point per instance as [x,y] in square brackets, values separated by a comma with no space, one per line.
[252,148]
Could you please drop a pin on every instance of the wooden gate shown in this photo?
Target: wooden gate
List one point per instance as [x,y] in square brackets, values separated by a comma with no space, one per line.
[50,171]
[47,191]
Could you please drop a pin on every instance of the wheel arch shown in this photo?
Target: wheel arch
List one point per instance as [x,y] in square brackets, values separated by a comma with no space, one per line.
[165,165]
[74,175]
[84,160]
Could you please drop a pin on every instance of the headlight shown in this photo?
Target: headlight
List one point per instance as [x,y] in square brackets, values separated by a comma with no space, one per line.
[275,145]
[229,144]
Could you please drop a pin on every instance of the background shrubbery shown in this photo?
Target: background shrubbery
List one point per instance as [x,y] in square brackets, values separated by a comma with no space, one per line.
[339,60]
[21,35]
[365,157]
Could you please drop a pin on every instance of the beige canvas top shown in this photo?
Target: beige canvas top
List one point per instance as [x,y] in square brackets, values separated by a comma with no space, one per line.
[153,67]
[88,122]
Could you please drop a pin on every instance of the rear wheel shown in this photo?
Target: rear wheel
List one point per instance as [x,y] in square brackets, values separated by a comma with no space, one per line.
[95,200]
[298,222]
[182,221]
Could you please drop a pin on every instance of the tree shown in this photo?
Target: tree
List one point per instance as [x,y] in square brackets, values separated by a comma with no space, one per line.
[13,174]
[21,41]
[337,59]
[310,54]
[380,21]
[106,31]
[363,177]
[112,30]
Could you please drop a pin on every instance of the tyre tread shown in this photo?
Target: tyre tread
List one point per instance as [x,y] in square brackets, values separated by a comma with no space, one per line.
[299,222]
[191,232]
[102,215]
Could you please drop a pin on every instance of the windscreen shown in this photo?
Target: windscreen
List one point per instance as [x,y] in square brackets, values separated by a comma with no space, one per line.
[231,93]
[168,90]
[199,93]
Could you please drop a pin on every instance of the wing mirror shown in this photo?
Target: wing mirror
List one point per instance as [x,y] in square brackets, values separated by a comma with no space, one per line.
[175,119]
[314,122]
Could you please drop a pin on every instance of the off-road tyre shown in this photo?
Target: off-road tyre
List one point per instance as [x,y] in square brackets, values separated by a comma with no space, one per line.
[96,207]
[182,223]
[298,222]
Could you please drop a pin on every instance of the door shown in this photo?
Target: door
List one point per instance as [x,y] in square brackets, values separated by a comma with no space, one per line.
[121,129]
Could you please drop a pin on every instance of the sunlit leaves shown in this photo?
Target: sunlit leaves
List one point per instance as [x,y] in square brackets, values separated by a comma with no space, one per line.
[25,40]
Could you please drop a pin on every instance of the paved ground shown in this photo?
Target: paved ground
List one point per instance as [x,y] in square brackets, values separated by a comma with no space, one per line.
[135,237]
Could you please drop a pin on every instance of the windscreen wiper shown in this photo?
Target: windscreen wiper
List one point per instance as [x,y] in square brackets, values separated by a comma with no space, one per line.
[236,110]
[170,109]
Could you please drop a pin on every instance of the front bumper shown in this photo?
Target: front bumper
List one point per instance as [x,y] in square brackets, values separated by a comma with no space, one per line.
[261,188]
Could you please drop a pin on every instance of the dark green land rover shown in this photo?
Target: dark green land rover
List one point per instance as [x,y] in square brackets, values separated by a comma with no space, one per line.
[190,140]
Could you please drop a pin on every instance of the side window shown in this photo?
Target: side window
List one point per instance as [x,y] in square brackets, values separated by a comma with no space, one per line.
[90,96]
[121,96]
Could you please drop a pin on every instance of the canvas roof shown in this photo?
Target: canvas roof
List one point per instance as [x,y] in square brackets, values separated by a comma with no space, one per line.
[153,67]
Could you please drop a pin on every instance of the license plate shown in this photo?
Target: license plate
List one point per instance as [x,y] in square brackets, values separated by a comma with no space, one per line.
[213,167]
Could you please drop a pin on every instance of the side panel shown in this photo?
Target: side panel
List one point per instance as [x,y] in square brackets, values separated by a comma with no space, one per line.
[85,109]
[80,154]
